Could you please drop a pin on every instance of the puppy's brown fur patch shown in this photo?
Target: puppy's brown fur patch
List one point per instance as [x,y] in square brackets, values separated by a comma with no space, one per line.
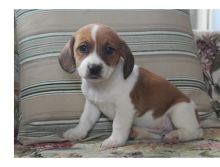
[83,36]
[106,37]
[145,99]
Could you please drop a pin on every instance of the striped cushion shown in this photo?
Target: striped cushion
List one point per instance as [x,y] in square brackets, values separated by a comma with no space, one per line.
[51,100]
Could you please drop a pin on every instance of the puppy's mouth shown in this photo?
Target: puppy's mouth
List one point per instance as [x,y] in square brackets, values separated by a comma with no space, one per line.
[94,77]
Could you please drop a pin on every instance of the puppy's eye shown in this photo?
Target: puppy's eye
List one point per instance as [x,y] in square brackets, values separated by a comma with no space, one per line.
[109,50]
[84,48]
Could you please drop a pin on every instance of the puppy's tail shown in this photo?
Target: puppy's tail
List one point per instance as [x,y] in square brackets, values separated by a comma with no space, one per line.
[209,120]
[210,123]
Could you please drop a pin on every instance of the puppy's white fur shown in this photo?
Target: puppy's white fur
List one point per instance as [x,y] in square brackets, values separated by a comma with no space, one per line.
[94,59]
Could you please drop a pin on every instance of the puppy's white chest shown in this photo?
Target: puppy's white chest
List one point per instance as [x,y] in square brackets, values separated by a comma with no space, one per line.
[99,97]
[108,109]
[102,99]
[104,104]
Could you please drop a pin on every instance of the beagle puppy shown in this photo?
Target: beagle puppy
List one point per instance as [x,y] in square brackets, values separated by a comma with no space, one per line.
[140,103]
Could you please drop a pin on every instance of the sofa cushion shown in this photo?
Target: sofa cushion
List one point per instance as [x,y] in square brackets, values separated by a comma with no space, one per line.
[51,100]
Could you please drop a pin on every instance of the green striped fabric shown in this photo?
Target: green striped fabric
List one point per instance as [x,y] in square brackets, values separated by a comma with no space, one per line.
[51,100]
[74,87]
[51,87]
[141,43]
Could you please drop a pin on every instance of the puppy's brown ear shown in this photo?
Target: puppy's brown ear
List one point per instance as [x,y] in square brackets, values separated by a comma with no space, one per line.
[128,59]
[66,58]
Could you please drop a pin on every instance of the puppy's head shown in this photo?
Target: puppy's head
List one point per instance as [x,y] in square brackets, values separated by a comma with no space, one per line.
[95,51]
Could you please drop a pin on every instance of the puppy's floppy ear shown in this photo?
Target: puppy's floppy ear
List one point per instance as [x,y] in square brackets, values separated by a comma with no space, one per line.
[128,59]
[66,58]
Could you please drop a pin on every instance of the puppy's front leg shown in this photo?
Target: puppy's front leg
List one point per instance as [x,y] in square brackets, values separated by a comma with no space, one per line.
[122,123]
[88,118]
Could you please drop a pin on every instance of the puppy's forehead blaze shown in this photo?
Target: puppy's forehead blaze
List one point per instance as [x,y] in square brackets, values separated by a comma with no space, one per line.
[99,39]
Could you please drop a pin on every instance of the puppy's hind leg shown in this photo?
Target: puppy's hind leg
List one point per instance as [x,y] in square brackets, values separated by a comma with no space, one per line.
[183,117]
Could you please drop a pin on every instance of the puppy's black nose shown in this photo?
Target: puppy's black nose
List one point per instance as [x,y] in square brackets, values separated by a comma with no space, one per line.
[95,69]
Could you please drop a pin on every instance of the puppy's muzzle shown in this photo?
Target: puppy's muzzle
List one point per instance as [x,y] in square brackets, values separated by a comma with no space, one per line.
[94,71]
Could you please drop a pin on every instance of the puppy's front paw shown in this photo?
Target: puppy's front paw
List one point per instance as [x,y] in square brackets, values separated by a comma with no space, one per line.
[74,134]
[112,143]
